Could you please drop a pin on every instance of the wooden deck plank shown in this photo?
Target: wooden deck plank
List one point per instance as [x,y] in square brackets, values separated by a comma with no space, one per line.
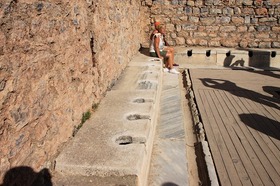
[263,140]
[233,104]
[264,166]
[272,135]
[216,124]
[241,149]
[217,157]
[230,137]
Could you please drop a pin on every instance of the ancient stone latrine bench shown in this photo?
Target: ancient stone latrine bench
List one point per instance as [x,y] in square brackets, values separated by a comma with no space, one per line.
[227,57]
[117,140]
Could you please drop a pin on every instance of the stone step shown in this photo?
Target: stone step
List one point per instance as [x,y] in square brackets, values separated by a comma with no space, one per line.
[115,144]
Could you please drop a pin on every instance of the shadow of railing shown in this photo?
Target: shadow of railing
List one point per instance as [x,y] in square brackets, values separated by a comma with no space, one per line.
[262,124]
[240,92]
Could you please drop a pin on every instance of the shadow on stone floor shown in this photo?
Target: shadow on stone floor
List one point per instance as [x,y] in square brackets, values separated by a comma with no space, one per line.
[26,176]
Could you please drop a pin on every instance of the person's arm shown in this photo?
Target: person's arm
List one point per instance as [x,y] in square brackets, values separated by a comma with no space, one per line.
[166,44]
[156,43]
[153,33]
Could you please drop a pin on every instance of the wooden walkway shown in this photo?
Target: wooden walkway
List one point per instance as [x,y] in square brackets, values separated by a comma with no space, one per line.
[240,111]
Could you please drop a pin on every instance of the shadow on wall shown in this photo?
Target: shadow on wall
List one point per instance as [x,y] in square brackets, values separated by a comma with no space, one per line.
[262,124]
[25,176]
[228,62]
[256,58]
[259,58]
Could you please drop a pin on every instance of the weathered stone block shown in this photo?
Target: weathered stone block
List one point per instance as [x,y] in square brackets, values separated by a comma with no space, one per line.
[238,20]
[254,21]
[262,35]
[258,2]
[247,2]
[188,10]
[230,42]
[204,10]
[263,28]
[217,2]
[201,28]
[207,20]
[184,18]
[275,45]
[213,43]
[200,34]
[202,42]
[238,2]
[253,44]
[174,2]
[215,11]
[178,28]
[265,45]
[271,11]
[198,2]
[223,19]
[247,19]
[213,35]
[242,29]
[251,29]
[156,10]
[212,28]
[170,27]
[248,11]
[209,2]
[196,11]
[228,11]
[243,44]
[190,3]
[193,19]
[189,27]
[149,2]
[268,19]
[184,34]
[237,10]
[276,29]
[173,35]
[261,11]
[180,41]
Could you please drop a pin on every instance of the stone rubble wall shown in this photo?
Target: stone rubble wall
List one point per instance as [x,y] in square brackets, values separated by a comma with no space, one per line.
[217,23]
[57,60]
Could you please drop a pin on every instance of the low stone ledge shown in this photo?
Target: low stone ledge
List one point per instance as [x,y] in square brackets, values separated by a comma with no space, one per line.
[267,59]
[117,140]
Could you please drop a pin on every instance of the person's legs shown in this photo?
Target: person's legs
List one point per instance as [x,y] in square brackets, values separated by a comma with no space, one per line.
[171,50]
[170,59]
[170,62]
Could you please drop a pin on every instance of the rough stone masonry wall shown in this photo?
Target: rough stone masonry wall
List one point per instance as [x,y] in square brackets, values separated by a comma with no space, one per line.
[57,59]
[216,23]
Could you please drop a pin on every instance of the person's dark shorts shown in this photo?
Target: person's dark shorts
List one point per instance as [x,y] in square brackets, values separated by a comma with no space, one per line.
[162,53]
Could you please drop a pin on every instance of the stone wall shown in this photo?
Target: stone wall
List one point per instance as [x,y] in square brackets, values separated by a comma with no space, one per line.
[57,60]
[216,23]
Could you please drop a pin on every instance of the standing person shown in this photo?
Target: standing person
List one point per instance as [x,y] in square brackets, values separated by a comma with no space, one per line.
[159,49]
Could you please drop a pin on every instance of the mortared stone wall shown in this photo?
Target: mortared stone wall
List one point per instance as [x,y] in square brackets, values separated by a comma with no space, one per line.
[217,23]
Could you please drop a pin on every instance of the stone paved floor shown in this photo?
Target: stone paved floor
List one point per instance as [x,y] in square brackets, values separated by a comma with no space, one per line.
[169,163]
